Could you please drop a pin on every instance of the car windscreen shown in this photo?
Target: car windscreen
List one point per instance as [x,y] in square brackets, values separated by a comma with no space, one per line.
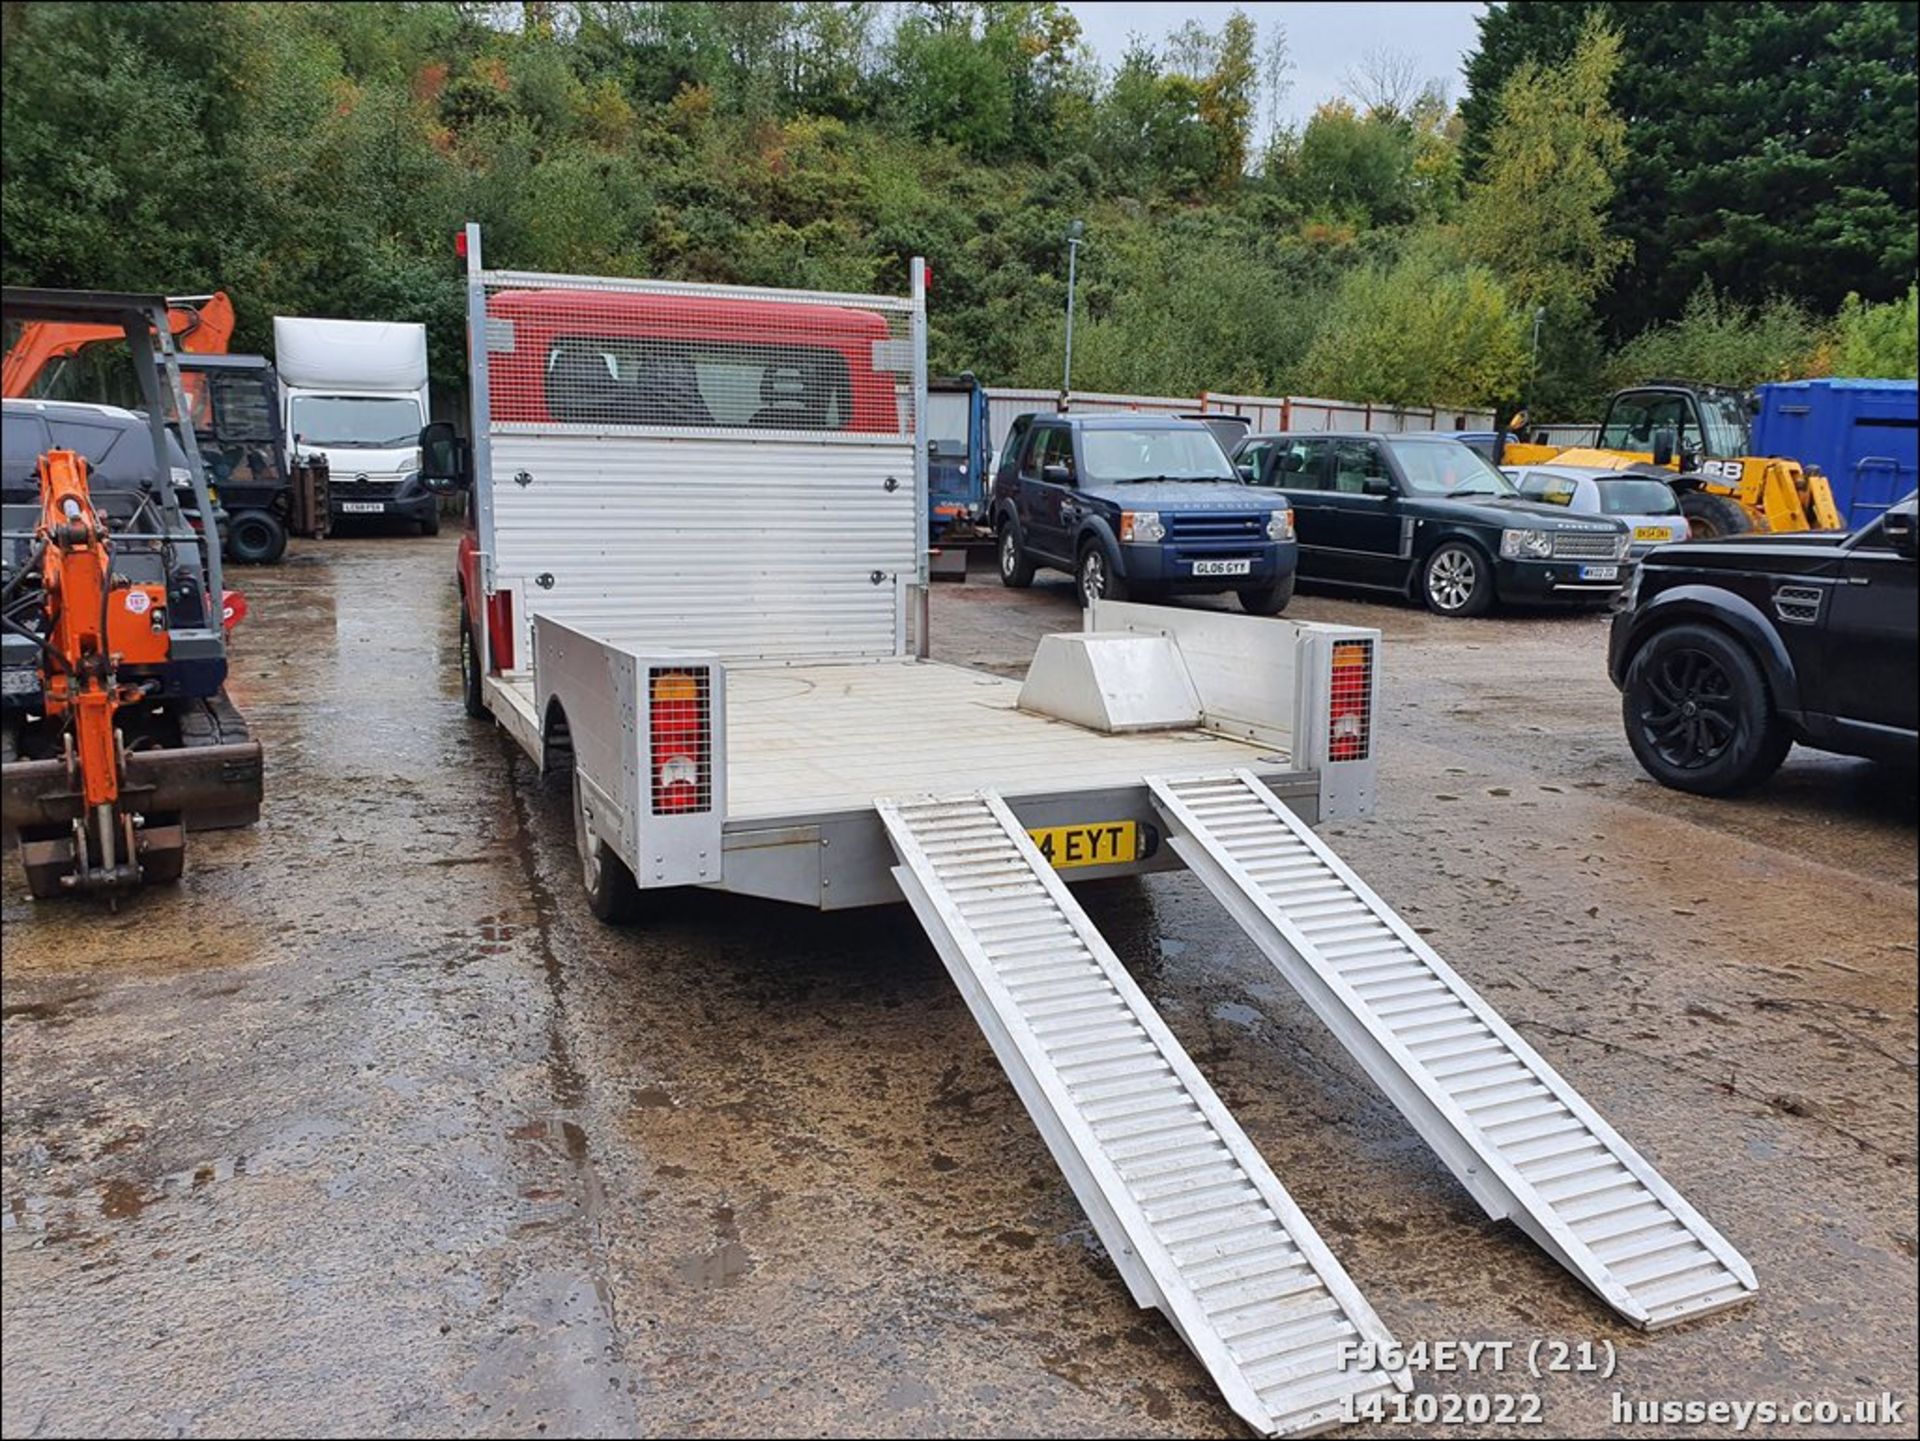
[1447,467]
[947,413]
[369,422]
[1637,497]
[1152,454]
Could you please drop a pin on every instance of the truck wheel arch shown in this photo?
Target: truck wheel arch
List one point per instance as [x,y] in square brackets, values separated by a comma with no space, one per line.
[1733,614]
[556,740]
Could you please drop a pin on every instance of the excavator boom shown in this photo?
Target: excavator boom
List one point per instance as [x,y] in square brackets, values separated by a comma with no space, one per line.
[202,324]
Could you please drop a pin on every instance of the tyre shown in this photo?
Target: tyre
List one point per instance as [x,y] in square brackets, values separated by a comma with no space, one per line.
[471,670]
[255,537]
[1016,570]
[1457,580]
[430,520]
[1710,515]
[1699,714]
[612,894]
[1093,577]
[1270,600]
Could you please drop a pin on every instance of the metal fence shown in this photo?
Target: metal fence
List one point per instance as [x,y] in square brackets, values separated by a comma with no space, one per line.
[1263,412]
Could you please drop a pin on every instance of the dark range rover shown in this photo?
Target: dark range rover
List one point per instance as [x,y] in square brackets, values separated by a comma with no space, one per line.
[1730,650]
[1429,517]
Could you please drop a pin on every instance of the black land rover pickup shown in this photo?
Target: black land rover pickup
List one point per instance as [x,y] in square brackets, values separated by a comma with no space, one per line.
[1728,651]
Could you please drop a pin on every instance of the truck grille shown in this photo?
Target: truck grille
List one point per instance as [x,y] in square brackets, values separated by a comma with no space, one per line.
[1215,527]
[1586,545]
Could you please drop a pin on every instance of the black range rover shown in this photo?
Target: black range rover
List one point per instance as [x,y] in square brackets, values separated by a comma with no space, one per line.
[1730,650]
[1429,517]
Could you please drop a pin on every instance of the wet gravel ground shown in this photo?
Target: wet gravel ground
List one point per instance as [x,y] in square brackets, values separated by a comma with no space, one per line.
[368,1126]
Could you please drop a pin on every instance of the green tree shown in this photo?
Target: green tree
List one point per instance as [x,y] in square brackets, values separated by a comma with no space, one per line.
[1227,96]
[1770,146]
[1423,330]
[1352,167]
[1537,212]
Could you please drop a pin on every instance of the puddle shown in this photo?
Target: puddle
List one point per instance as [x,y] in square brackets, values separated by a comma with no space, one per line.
[1235,1014]
[725,1264]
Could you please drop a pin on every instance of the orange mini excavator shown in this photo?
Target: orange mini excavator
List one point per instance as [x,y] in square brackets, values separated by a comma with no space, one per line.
[116,733]
[96,620]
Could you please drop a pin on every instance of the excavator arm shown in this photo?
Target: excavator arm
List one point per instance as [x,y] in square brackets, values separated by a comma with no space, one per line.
[202,324]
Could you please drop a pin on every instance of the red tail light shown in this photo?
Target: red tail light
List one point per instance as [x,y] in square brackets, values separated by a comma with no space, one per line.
[233,609]
[679,723]
[1349,697]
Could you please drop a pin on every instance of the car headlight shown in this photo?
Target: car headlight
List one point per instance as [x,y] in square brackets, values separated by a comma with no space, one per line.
[1280,525]
[1622,544]
[1526,544]
[1141,525]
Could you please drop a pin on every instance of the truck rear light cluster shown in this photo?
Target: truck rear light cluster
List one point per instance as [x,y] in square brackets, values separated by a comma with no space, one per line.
[680,725]
[1350,701]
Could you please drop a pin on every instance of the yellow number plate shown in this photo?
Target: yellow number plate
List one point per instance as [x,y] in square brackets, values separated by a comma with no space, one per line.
[1650,532]
[1105,844]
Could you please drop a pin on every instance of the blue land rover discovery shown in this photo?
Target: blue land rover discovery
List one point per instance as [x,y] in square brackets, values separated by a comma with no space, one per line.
[1136,507]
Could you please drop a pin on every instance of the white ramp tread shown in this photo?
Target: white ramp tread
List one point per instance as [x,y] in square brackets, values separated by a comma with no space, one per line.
[1521,1139]
[1194,1219]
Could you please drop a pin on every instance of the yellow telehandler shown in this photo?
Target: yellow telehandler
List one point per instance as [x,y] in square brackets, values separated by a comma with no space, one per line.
[1703,434]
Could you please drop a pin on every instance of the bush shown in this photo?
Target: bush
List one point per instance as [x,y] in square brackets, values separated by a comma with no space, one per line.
[1875,342]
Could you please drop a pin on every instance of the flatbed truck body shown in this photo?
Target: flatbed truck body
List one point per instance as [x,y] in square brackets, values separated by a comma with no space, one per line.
[695,579]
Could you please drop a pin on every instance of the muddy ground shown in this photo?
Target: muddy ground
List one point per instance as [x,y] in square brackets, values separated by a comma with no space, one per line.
[368,1126]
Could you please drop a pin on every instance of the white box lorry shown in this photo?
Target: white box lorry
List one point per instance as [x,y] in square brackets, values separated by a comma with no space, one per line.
[691,581]
[355,392]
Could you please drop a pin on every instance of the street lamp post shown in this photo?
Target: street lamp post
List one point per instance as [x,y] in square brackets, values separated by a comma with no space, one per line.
[1074,232]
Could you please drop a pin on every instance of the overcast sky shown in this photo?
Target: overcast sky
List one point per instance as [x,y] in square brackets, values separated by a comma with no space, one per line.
[1325,41]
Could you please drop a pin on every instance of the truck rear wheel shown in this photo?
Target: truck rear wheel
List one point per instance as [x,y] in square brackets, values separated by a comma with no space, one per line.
[612,893]
[471,670]
[1710,515]
[256,537]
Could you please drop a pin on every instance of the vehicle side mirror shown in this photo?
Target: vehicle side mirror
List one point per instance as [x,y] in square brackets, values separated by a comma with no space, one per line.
[1899,528]
[1247,470]
[446,461]
[1056,473]
[1376,485]
[1664,443]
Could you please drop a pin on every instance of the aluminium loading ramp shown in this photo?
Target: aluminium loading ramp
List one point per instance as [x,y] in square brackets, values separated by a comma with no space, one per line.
[1196,1222]
[1520,1138]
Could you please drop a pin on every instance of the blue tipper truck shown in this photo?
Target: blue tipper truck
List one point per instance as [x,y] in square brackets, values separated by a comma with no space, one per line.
[959,451]
[1864,434]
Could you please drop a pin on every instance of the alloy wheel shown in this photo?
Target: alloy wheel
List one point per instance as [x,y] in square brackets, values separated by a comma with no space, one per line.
[1451,578]
[1093,576]
[1692,714]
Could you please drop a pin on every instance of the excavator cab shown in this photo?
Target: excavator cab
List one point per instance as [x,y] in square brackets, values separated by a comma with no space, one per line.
[116,734]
